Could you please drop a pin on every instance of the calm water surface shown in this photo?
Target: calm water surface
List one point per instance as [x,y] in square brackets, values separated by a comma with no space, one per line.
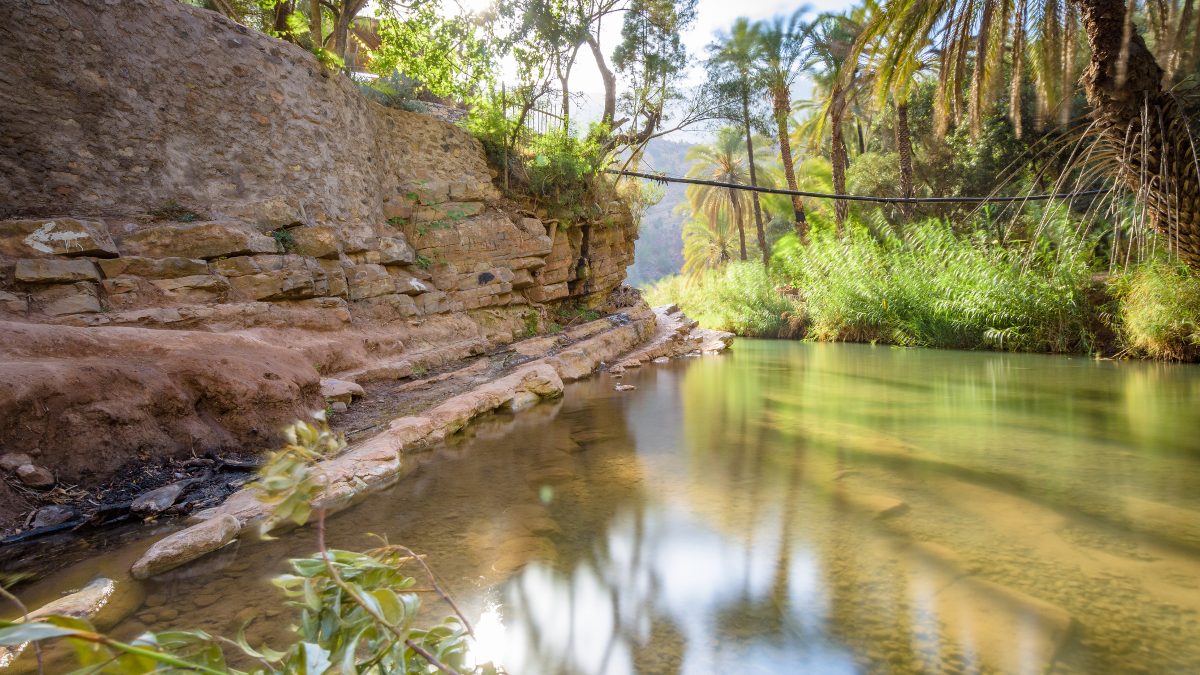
[793,508]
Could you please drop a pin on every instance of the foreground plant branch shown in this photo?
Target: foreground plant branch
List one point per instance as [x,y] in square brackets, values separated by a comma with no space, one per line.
[358,612]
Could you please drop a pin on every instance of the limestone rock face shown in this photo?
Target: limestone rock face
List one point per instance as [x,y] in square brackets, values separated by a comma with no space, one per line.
[318,242]
[197,240]
[60,236]
[153,268]
[78,298]
[200,222]
[38,271]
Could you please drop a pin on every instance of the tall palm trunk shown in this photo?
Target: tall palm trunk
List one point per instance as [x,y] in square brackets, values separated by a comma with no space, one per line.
[782,104]
[904,149]
[1123,83]
[758,222]
[838,157]
[737,217]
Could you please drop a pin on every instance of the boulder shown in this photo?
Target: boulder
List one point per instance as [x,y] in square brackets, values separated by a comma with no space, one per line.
[185,546]
[269,214]
[35,476]
[153,268]
[49,271]
[61,236]
[206,240]
[318,241]
[340,391]
[77,298]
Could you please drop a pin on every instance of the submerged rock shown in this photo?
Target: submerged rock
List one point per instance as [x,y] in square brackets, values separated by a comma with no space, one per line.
[186,545]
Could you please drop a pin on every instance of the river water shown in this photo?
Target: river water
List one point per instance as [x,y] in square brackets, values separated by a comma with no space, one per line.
[793,507]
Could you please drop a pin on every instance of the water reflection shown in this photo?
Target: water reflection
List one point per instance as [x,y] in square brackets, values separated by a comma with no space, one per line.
[803,508]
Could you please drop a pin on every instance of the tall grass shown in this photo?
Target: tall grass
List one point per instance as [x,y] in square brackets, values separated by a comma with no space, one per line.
[935,289]
[1159,311]
[739,297]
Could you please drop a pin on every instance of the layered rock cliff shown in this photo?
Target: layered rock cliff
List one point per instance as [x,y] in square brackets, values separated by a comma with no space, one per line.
[200,223]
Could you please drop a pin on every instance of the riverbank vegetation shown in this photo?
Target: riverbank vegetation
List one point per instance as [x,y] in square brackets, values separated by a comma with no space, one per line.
[968,99]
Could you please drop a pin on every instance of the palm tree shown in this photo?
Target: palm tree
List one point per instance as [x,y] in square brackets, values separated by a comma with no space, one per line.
[724,161]
[707,244]
[780,59]
[1137,123]
[732,64]
[897,85]
[831,49]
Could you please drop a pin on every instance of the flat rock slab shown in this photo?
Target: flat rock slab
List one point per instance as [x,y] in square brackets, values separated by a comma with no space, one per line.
[874,505]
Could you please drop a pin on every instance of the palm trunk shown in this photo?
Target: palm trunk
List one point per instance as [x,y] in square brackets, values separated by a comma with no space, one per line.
[737,217]
[782,100]
[838,158]
[1145,123]
[904,149]
[758,223]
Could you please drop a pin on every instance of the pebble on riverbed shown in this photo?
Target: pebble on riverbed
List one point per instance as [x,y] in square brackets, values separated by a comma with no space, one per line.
[35,476]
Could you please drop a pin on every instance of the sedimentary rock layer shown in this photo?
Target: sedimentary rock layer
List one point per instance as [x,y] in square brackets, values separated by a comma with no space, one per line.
[199,222]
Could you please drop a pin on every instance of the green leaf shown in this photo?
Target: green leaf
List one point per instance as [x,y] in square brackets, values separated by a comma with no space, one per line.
[12,634]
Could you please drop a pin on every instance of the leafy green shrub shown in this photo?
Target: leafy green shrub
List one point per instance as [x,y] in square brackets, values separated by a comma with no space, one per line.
[1159,311]
[739,297]
[938,290]
[562,168]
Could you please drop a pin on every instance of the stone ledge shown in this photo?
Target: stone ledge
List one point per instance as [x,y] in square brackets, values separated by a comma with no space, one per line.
[376,462]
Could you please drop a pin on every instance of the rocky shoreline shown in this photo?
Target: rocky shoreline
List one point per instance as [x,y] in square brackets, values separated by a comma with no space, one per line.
[632,338]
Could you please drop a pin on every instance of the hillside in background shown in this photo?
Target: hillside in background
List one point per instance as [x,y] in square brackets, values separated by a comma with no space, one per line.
[659,250]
